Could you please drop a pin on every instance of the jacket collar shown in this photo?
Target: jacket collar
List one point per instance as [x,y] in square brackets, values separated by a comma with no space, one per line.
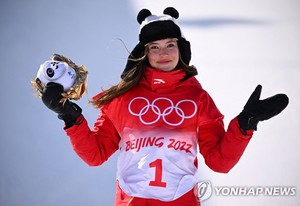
[163,82]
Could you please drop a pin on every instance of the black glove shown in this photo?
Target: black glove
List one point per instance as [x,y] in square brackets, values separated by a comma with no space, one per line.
[257,110]
[69,111]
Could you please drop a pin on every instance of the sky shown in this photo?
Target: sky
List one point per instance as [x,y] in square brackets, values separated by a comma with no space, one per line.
[235,46]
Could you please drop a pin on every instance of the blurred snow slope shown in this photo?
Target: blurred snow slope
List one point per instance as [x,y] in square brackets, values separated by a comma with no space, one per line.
[235,45]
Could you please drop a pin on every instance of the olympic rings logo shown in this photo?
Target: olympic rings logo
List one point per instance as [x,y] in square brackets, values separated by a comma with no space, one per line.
[161,113]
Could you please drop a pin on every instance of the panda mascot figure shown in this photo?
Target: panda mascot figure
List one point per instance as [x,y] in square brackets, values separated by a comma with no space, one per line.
[59,80]
[63,71]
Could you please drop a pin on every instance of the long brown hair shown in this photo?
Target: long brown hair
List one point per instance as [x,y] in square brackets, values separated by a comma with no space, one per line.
[133,77]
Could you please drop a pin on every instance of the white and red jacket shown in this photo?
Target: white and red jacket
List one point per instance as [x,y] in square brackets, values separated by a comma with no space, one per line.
[157,126]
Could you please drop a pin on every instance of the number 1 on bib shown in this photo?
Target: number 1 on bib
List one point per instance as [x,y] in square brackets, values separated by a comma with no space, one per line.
[158,174]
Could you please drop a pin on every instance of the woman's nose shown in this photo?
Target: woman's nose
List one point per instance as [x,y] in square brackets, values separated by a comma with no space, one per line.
[163,51]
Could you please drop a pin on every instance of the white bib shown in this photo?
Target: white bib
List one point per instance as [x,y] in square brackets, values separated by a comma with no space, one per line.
[157,164]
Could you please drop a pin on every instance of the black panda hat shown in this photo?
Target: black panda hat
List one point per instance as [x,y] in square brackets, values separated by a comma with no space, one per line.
[153,28]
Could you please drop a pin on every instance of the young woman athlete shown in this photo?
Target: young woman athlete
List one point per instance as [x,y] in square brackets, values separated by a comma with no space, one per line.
[157,116]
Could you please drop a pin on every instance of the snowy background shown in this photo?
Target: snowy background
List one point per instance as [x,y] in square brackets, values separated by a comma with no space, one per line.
[235,44]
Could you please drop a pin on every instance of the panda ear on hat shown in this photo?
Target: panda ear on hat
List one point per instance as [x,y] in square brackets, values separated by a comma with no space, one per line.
[172,12]
[143,14]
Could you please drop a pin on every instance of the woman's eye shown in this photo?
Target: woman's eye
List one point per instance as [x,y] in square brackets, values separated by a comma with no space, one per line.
[153,47]
[171,45]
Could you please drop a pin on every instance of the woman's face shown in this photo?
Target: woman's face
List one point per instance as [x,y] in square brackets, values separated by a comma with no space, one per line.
[163,54]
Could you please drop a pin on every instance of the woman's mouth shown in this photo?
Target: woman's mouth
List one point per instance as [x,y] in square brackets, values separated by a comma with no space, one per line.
[163,61]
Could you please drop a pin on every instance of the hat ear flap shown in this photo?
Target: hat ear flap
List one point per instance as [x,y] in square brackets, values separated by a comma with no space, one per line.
[185,50]
[136,53]
[142,15]
[172,12]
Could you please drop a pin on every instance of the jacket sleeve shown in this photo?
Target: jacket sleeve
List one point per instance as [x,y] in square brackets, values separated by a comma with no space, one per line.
[221,149]
[97,145]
